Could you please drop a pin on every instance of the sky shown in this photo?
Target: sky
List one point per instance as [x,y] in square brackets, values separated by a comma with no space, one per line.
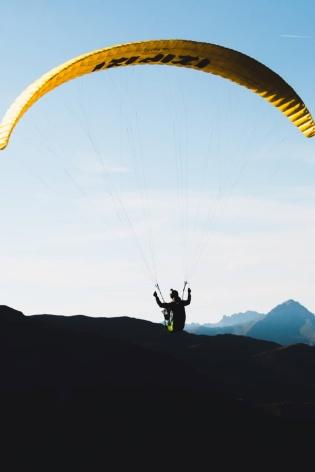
[134,176]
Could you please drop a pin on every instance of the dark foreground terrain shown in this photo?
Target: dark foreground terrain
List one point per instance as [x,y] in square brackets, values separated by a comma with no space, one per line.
[124,384]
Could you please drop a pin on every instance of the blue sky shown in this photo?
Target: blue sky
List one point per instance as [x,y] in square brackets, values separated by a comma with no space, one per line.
[217,185]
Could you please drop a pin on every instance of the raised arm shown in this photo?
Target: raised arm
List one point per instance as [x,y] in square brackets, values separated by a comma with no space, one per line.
[158,301]
[187,302]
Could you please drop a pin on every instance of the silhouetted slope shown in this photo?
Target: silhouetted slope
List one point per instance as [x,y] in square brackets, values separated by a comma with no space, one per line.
[9,315]
[133,382]
[287,323]
[63,355]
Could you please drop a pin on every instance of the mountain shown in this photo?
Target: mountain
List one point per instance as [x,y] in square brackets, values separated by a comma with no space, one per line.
[10,316]
[238,323]
[240,318]
[126,384]
[287,323]
[214,330]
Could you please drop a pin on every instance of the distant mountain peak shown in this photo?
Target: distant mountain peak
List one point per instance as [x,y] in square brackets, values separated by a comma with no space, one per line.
[291,302]
[287,323]
[290,307]
[240,318]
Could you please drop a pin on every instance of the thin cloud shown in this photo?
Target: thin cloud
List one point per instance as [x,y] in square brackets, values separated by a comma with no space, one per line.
[296,36]
[106,168]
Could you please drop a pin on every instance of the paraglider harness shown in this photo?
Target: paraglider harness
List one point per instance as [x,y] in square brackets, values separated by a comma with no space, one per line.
[168,319]
[168,314]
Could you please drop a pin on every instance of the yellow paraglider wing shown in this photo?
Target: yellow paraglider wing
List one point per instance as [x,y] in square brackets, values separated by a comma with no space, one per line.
[205,57]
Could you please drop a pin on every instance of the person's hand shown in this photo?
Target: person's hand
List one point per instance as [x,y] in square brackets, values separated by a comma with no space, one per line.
[189,290]
[155,294]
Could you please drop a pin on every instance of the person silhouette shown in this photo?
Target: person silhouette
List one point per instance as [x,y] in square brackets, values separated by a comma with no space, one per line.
[175,309]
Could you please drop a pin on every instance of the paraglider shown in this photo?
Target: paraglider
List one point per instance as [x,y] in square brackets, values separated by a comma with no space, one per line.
[211,58]
[174,311]
[205,57]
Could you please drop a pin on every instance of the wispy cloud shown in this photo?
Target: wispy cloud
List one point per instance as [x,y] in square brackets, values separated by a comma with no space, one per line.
[105,168]
[296,36]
